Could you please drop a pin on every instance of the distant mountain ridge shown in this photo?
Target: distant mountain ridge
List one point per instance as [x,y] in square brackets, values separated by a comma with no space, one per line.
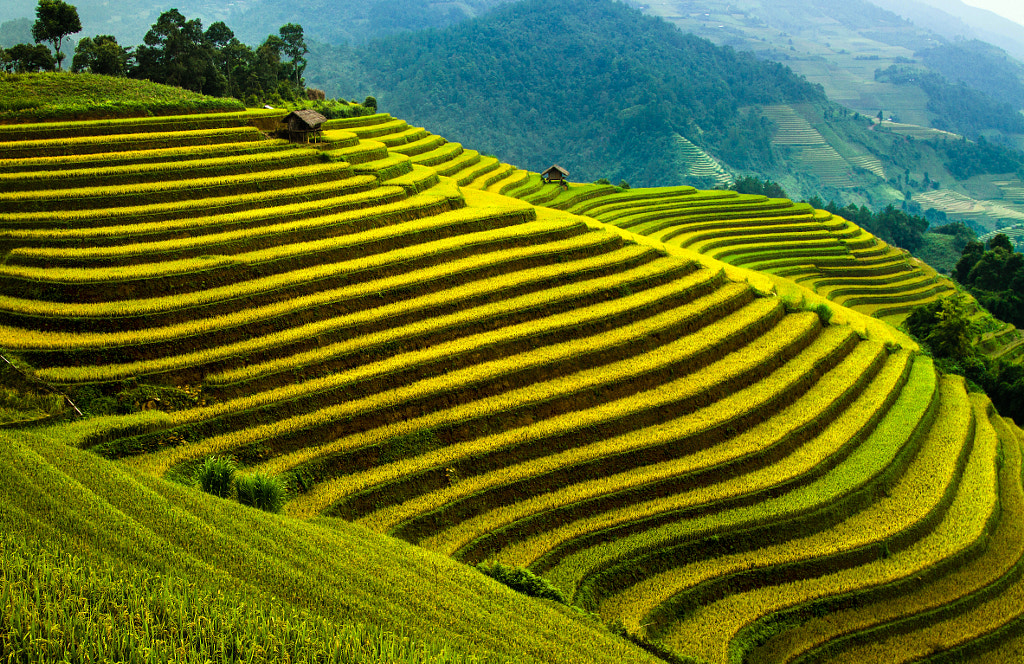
[595,86]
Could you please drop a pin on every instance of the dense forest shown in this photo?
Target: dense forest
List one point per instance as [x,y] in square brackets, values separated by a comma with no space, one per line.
[593,85]
[994,274]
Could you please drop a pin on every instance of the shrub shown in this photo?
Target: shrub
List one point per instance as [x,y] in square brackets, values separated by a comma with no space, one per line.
[522,580]
[215,476]
[263,491]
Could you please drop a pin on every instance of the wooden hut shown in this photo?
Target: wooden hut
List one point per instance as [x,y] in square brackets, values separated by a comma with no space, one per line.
[301,125]
[555,174]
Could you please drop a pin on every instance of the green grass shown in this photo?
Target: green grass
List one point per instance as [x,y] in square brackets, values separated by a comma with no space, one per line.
[102,560]
[65,96]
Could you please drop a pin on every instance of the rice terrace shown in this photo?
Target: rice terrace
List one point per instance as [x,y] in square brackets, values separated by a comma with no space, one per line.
[684,420]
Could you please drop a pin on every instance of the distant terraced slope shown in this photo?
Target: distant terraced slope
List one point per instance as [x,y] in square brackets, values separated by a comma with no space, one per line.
[493,378]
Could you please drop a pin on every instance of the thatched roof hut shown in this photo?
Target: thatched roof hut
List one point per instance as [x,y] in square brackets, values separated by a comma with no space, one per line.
[555,173]
[300,125]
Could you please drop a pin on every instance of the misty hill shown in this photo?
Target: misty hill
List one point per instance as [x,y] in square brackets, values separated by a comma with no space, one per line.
[595,86]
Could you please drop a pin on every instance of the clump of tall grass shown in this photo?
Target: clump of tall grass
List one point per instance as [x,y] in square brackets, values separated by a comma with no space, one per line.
[263,491]
[216,476]
[523,580]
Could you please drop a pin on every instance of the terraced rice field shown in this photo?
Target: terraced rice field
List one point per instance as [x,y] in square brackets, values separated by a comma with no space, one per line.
[809,147]
[959,206]
[697,164]
[527,378]
[917,131]
[823,252]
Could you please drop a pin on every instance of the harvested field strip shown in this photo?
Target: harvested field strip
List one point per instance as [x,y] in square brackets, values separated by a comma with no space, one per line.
[182,274]
[58,147]
[961,531]
[164,231]
[116,159]
[169,123]
[58,200]
[824,637]
[464,160]
[505,287]
[175,170]
[418,147]
[881,457]
[237,241]
[620,412]
[185,209]
[440,155]
[618,471]
[203,303]
[706,449]
[132,342]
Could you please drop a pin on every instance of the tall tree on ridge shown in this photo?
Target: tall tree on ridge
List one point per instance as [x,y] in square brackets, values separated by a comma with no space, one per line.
[55,20]
[295,48]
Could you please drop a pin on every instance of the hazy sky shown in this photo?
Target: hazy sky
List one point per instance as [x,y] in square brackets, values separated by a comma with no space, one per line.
[1011,9]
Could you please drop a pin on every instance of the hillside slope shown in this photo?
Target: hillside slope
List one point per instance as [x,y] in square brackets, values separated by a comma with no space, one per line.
[373,321]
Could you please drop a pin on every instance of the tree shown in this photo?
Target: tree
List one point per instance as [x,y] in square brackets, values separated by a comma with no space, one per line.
[295,48]
[176,52]
[1000,240]
[55,20]
[28,58]
[969,257]
[101,55]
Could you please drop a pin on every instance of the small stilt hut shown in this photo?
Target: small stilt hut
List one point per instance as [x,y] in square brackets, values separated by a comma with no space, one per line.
[555,174]
[302,125]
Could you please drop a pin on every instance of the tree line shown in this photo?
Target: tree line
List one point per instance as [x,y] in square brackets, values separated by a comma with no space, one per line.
[994,274]
[175,51]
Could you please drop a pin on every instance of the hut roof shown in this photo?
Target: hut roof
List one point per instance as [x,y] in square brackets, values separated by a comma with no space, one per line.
[309,117]
[558,168]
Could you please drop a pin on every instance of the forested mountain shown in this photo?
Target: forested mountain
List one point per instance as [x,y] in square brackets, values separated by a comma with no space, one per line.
[595,86]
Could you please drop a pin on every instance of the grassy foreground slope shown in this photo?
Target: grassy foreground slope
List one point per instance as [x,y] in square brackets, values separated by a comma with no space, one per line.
[101,563]
[372,321]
